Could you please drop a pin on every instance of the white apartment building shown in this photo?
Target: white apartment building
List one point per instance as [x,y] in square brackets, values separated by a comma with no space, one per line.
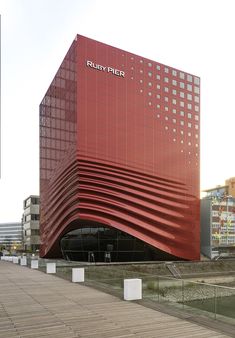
[31,223]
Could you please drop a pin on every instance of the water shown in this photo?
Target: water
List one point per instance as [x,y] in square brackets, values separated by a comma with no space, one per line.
[224,306]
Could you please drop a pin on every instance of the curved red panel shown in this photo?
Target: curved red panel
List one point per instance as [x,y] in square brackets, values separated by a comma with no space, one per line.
[117,161]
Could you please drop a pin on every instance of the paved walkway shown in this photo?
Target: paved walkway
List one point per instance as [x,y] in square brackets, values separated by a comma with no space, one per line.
[34,304]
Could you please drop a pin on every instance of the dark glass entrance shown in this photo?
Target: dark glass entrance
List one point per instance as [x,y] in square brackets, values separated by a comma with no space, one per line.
[99,243]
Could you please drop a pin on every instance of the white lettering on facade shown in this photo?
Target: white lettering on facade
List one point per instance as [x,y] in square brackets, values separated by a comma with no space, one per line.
[111,70]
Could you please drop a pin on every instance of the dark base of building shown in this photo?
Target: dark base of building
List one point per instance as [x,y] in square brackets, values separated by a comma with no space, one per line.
[94,242]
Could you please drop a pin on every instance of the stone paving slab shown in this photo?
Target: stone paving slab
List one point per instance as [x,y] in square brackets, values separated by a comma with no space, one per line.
[34,304]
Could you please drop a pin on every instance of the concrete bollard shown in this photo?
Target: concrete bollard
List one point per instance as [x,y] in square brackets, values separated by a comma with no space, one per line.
[51,268]
[15,260]
[23,261]
[78,275]
[34,264]
[132,289]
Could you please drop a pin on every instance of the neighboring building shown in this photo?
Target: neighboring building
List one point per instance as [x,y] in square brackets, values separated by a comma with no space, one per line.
[119,158]
[10,236]
[31,223]
[223,190]
[218,221]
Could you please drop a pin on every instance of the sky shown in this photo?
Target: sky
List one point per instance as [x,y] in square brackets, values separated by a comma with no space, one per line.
[196,36]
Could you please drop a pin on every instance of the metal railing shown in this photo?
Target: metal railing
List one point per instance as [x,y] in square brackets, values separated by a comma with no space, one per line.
[214,301]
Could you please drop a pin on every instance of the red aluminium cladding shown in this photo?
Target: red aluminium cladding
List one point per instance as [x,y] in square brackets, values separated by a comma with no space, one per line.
[133,159]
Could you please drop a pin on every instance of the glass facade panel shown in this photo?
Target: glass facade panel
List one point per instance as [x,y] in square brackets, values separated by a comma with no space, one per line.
[98,243]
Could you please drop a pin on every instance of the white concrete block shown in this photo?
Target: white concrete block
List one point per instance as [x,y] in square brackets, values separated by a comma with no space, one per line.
[51,268]
[34,264]
[132,289]
[23,260]
[77,275]
[15,260]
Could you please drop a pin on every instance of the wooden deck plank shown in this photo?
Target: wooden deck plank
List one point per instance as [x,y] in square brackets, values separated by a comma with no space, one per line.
[34,304]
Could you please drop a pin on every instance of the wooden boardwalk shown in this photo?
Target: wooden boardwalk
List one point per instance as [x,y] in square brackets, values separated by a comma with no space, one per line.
[34,304]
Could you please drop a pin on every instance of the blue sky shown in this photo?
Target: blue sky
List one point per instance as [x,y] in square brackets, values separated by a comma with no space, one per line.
[195,36]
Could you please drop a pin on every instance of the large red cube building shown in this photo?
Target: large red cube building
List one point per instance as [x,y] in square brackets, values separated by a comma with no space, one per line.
[119,158]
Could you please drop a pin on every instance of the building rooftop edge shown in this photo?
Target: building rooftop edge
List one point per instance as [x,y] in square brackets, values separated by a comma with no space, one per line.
[215,188]
[126,51]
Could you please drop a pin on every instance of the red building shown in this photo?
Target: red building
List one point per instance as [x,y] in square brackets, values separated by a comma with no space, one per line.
[119,158]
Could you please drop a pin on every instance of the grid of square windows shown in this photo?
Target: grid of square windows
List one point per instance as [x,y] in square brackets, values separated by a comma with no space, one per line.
[177,93]
[58,117]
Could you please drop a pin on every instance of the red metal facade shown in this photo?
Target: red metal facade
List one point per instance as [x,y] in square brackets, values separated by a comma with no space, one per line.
[119,138]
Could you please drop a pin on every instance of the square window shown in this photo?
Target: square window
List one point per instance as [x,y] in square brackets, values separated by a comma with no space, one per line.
[174,101]
[196,117]
[181,104]
[158,67]
[181,113]
[189,87]
[189,124]
[174,111]
[150,84]
[166,89]
[158,86]
[196,99]
[166,70]
[182,95]
[182,85]
[166,99]
[166,108]
[189,78]
[158,96]
[189,106]
[150,64]
[189,97]
[182,75]
[196,108]
[158,77]
[174,72]
[174,92]
[196,80]
[196,90]
[174,82]
[158,106]
[150,74]
[189,115]
[166,79]
[174,120]
[182,123]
